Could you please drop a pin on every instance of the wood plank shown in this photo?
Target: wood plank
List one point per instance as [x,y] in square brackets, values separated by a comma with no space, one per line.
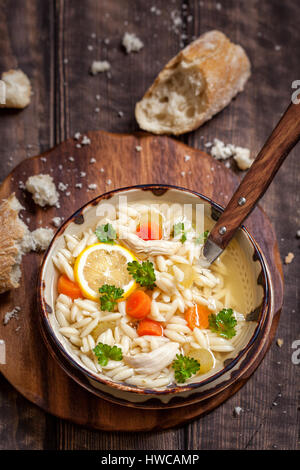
[26,43]
[247,122]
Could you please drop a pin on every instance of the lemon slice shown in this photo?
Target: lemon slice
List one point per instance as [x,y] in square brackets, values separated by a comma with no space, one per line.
[206,359]
[103,263]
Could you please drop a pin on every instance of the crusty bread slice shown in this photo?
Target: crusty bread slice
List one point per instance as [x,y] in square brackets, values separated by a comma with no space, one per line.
[16,240]
[12,232]
[195,85]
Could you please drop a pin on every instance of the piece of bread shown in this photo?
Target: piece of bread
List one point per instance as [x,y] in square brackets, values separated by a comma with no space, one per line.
[12,233]
[16,240]
[41,238]
[17,89]
[43,190]
[195,85]
[132,43]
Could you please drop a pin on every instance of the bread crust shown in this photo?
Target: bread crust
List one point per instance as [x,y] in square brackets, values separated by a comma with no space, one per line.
[12,231]
[225,68]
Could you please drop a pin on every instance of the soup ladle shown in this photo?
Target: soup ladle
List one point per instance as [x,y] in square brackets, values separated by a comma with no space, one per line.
[265,166]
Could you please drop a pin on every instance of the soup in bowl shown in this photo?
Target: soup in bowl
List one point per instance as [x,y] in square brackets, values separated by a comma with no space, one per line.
[132,312]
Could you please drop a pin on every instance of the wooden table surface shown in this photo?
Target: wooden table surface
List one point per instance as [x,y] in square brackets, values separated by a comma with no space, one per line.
[55,42]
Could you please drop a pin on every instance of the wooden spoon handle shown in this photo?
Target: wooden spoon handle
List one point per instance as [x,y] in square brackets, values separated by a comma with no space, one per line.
[283,138]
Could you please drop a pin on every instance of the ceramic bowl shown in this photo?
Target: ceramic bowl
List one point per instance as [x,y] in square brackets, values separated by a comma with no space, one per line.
[250,264]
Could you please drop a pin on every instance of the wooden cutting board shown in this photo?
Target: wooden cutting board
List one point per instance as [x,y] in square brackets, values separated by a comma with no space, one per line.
[110,161]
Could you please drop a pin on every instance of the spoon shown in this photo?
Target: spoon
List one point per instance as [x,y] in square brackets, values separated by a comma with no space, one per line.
[283,138]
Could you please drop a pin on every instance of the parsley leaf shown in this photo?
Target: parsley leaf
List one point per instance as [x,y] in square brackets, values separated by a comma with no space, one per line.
[223,323]
[104,352]
[178,229]
[143,273]
[203,237]
[111,294]
[106,233]
[184,367]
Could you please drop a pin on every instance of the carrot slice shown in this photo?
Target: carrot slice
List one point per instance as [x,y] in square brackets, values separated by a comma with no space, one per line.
[149,231]
[138,304]
[68,287]
[197,316]
[149,327]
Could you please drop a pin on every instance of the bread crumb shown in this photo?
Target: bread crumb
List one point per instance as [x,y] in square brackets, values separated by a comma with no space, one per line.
[298,234]
[71,159]
[99,66]
[289,258]
[62,186]
[93,160]
[43,190]
[155,10]
[82,174]
[92,186]
[85,140]
[241,155]
[187,158]
[57,221]
[77,135]
[237,411]
[138,148]
[242,158]
[41,238]
[97,110]
[220,151]
[102,170]
[176,21]
[277,48]
[12,314]
[78,185]
[108,182]
[279,342]
[120,113]
[209,144]
[132,43]
[182,173]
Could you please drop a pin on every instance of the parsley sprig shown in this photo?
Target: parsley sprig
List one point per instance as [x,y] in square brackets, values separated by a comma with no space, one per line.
[111,294]
[202,238]
[143,273]
[184,367]
[106,233]
[104,352]
[223,323]
[178,229]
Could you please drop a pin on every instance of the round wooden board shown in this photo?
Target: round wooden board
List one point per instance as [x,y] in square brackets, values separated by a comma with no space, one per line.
[29,366]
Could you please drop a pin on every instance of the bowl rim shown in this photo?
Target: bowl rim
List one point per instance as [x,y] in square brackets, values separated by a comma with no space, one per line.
[45,309]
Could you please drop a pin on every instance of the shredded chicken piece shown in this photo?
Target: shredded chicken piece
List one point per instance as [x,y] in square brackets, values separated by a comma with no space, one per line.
[149,247]
[149,363]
